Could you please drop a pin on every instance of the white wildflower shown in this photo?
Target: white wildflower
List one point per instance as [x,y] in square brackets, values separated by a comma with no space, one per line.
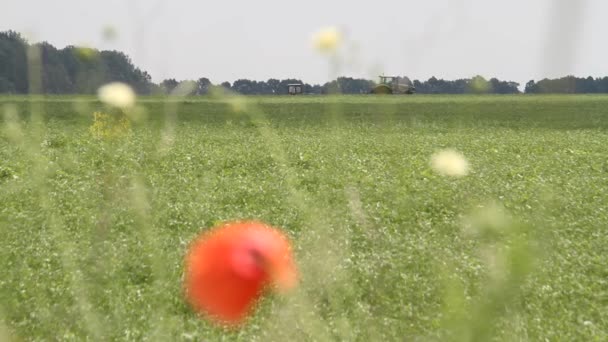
[450,163]
[117,94]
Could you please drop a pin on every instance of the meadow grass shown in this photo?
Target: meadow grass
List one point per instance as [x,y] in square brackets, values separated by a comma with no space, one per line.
[93,231]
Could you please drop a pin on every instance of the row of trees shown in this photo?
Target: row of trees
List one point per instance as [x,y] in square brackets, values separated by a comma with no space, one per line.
[74,70]
[568,85]
[64,71]
[243,86]
[475,85]
[347,85]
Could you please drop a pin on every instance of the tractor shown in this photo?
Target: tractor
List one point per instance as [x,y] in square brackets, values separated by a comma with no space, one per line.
[394,85]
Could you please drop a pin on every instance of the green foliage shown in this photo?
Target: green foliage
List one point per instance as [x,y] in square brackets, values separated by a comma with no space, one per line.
[71,70]
[475,85]
[110,126]
[13,63]
[94,231]
[568,85]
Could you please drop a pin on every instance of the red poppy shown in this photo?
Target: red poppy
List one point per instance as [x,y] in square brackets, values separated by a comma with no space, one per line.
[229,267]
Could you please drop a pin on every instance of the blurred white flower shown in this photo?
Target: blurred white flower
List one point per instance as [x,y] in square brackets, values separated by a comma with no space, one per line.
[117,94]
[327,40]
[450,163]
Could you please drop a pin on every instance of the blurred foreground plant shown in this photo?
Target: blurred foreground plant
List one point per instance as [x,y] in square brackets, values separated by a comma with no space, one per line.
[327,40]
[508,256]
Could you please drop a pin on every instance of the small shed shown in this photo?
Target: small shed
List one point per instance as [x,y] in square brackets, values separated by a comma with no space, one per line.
[295,88]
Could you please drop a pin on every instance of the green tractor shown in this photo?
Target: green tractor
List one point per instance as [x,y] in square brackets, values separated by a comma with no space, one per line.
[394,85]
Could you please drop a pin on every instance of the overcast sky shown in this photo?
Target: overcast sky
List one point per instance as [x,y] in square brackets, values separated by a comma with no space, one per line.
[229,39]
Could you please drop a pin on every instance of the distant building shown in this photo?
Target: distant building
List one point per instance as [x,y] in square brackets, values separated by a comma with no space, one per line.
[295,88]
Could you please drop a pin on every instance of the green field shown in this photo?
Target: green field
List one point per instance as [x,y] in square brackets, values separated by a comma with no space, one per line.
[93,231]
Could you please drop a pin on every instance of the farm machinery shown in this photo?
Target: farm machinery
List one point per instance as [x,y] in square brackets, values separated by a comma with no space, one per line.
[394,85]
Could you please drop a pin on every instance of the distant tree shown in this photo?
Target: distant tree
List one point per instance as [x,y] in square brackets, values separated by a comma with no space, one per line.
[601,85]
[531,87]
[243,86]
[503,87]
[144,84]
[433,85]
[586,85]
[261,88]
[118,67]
[13,62]
[566,84]
[420,87]
[349,85]
[168,85]
[274,86]
[55,77]
[313,89]
[332,87]
[156,89]
[202,86]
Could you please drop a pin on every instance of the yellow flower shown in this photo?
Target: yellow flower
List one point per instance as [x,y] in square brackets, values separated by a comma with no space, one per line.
[107,127]
[450,163]
[327,40]
[117,94]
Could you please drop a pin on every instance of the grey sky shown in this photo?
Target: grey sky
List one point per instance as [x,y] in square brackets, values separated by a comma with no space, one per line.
[225,40]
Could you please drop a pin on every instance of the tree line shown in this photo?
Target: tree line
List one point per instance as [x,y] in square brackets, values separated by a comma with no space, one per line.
[71,70]
[75,70]
[568,85]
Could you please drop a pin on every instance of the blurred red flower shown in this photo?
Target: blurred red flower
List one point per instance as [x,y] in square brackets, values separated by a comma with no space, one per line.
[229,267]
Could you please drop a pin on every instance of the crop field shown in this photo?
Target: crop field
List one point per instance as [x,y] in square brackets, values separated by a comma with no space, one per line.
[95,220]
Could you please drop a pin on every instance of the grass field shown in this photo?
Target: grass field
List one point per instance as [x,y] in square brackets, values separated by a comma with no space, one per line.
[93,231]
